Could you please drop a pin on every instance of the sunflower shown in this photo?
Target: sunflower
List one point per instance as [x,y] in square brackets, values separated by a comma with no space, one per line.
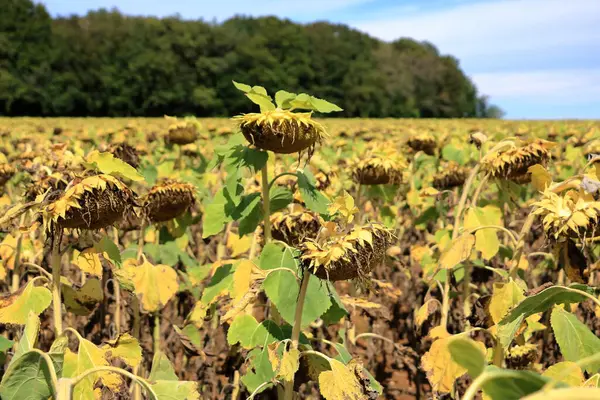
[379,170]
[574,214]
[182,131]
[521,357]
[167,200]
[513,164]
[91,203]
[6,172]
[295,227]
[282,131]
[349,255]
[450,176]
[424,142]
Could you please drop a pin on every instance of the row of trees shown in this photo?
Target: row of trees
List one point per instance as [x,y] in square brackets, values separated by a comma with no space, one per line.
[109,64]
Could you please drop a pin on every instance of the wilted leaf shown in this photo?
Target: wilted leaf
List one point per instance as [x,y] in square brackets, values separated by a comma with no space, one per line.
[238,245]
[15,308]
[289,364]
[107,163]
[88,261]
[505,297]
[540,177]
[153,284]
[567,372]
[340,383]
[428,308]
[125,348]
[459,251]
[82,300]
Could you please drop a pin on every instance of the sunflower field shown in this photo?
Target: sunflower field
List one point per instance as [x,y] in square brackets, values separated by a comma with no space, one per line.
[285,255]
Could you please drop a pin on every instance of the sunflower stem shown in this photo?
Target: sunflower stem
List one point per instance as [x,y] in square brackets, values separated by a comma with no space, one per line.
[156,332]
[266,204]
[521,245]
[16,275]
[56,270]
[289,385]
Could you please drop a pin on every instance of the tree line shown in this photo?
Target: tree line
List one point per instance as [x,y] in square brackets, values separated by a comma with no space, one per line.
[109,64]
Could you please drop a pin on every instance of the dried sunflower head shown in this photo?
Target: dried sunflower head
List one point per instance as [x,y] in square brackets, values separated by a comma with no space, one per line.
[295,227]
[55,182]
[513,164]
[424,142]
[182,131]
[521,357]
[167,200]
[449,176]
[573,214]
[91,203]
[282,131]
[7,171]
[126,153]
[349,255]
[379,170]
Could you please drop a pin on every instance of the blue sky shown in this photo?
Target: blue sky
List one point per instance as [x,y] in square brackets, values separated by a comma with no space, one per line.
[534,58]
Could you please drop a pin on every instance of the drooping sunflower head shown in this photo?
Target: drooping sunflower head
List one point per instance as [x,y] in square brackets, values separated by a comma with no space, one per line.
[350,255]
[55,182]
[424,142]
[282,131]
[167,200]
[126,153]
[91,203]
[379,170]
[7,171]
[182,131]
[513,164]
[521,357]
[295,227]
[450,175]
[573,214]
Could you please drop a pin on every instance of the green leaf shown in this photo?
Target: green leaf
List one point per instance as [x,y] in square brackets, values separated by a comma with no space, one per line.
[261,370]
[304,101]
[540,302]
[249,213]
[486,240]
[337,311]
[242,86]
[468,355]
[28,378]
[315,200]
[276,255]
[242,330]
[258,95]
[150,173]
[105,245]
[109,164]
[242,156]
[175,390]
[283,289]
[5,344]
[504,384]
[220,210]
[221,281]
[15,308]
[280,197]
[283,98]
[162,370]
[28,338]
[574,338]
[452,153]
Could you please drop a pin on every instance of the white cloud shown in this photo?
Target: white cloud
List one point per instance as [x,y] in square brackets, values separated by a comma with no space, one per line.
[565,86]
[495,28]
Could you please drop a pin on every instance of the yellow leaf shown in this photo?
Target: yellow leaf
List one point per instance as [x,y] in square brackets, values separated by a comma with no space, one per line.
[198,314]
[439,332]
[566,372]
[242,279]
[441,369]
[82,300]
[340,383]
[350,301]
[594,381]
[290,362]
[2,271]
[505,296]
[88,261]
[150,236]
[126,348]
[15,308]
[153,284]
[486,240]
[238,245]
[459,251]
[344,204]
[540,178]
[572,393]
[425,311]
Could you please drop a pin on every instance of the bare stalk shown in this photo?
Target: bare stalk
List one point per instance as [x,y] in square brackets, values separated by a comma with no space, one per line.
[56,270]
[266,203]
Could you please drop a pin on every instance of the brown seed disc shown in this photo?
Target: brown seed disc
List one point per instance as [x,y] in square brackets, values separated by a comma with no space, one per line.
[450,178]
[126,153]
[376,175]
[281,137]
[426,145]
[359,264]
[168,200]
[6,172]
[300,228]
[99,209]
[182,135]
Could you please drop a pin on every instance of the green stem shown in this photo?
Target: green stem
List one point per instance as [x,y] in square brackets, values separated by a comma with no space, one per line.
[156,332]
[117,291]
[16,275]
[266,204]
[289,385]
[56,270]
[279,176]
[521,244]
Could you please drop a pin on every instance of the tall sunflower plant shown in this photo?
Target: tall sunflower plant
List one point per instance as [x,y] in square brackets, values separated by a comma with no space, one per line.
[568,212]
